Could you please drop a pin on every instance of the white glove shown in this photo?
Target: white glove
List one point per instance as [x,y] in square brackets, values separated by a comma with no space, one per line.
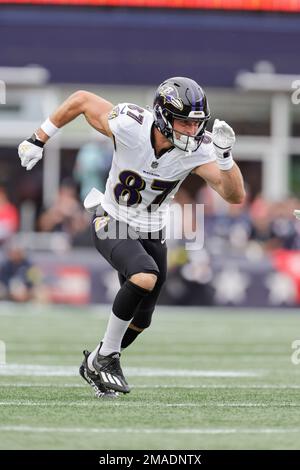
[30,152]
[223,138]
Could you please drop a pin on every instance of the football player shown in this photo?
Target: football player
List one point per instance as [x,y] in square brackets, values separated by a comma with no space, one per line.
[154,151]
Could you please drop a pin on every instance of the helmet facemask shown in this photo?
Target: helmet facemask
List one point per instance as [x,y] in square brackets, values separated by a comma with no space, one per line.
[189,143]
[185,142]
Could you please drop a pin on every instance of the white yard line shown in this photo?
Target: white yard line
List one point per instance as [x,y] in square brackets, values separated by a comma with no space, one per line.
[156,386]
[32,429]
[214,386]
[151,372]
[70,371]
[50,403]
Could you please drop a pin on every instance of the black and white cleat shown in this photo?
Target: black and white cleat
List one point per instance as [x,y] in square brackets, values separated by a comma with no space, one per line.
[92,378]
[110,373]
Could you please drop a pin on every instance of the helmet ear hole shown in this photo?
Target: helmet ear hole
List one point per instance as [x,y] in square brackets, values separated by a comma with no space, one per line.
[168,116]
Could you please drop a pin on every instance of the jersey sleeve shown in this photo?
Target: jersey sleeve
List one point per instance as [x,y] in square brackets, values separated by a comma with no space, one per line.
[125,121]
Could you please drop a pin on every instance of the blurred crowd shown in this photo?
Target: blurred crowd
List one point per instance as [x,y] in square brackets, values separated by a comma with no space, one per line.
[240,246]
[20,278]
[258,226]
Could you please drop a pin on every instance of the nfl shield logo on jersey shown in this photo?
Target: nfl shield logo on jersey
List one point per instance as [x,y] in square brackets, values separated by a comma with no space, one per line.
[154,164]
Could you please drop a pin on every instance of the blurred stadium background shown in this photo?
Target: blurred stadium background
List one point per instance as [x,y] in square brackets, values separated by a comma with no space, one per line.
[246,56]
[248,64]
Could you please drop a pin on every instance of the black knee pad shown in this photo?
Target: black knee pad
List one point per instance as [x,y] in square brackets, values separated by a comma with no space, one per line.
[143,318]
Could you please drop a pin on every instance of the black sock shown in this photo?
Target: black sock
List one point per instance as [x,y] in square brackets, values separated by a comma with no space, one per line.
[129,336]
[128,299]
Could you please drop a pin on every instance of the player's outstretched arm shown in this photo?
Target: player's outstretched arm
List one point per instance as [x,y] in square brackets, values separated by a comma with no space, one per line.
[223,176]
[94,108]
[228,183]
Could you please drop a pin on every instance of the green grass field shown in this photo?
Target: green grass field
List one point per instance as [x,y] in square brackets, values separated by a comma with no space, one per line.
[201,379]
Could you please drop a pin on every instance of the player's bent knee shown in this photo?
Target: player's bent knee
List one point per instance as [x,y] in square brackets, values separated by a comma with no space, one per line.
[145,280]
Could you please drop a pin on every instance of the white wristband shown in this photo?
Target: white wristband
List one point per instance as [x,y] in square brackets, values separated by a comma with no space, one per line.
[225,163]
[49,128]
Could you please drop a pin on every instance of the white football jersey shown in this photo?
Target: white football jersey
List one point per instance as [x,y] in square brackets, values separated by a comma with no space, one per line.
[140,185]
